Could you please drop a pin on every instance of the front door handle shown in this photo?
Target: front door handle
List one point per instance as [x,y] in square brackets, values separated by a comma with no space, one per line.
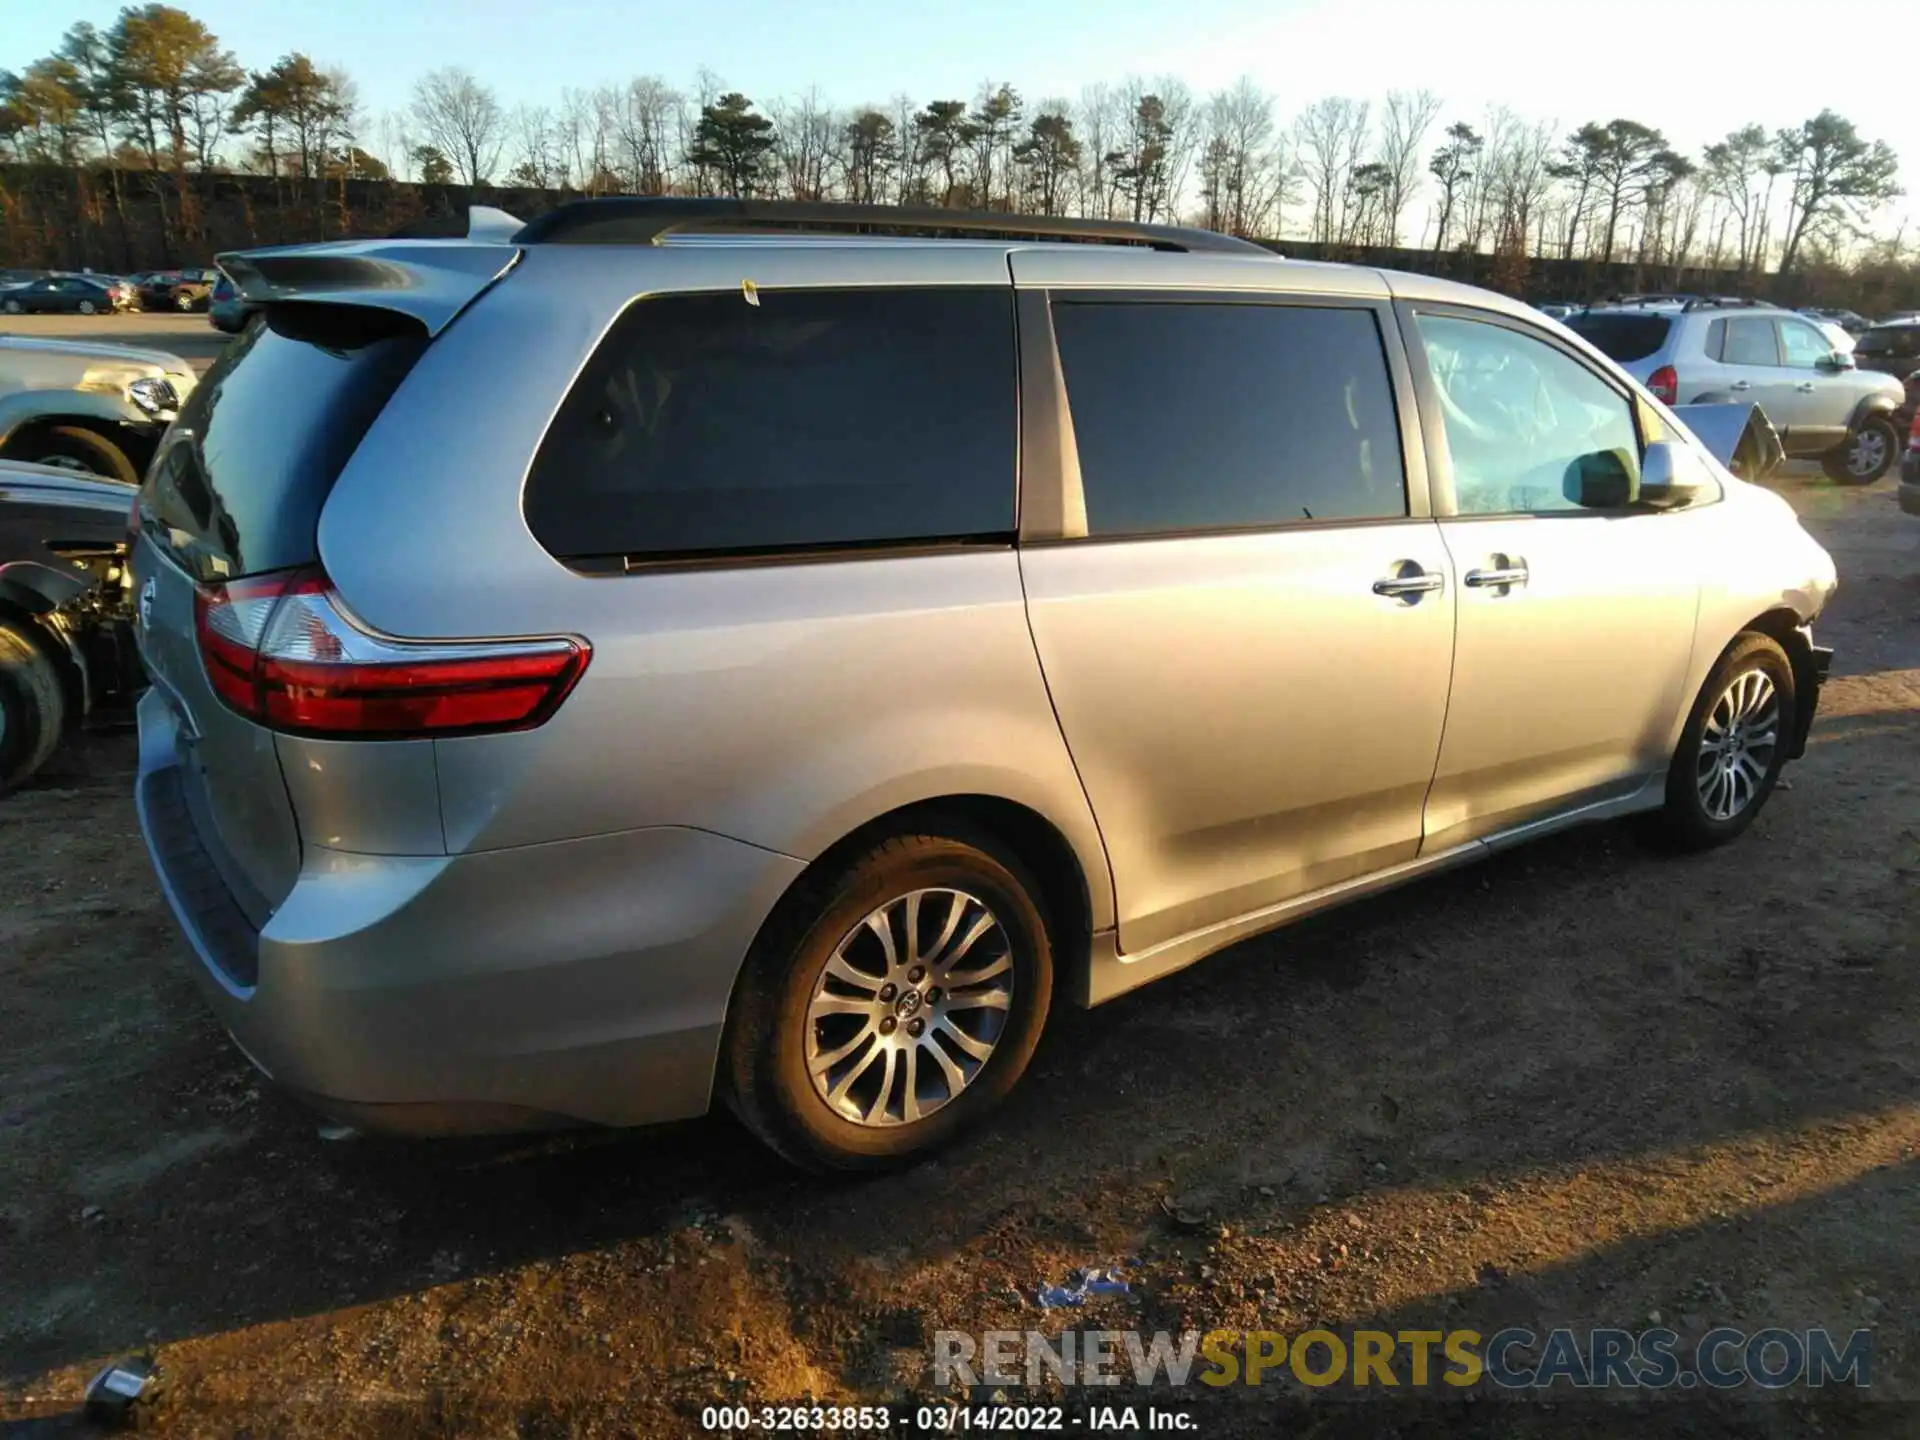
[1409,582]
[1512,573]
[1741,385]
[1806,389]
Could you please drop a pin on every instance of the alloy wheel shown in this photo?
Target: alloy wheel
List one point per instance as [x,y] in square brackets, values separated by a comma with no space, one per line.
[1737,745]
[910,1007]
[1866,453]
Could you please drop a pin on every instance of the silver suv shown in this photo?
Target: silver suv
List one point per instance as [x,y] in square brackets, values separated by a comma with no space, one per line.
[805,658]
[1692,352]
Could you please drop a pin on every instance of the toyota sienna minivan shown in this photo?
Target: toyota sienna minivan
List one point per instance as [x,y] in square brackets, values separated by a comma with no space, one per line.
[691,649]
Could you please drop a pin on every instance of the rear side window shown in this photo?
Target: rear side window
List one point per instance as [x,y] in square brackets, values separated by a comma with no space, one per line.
[262,438]
[1622,338]
[709,425]
[1196,417]
[1900,341]
[1750,341]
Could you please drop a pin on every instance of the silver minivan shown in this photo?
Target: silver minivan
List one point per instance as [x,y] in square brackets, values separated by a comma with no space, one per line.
[637,660]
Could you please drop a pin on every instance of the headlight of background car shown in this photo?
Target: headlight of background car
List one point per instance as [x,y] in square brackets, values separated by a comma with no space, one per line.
[156,397]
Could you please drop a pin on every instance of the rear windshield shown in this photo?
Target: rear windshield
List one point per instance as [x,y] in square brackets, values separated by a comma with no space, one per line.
[1625,338]
[711,424]
[239,485]
[1898,340]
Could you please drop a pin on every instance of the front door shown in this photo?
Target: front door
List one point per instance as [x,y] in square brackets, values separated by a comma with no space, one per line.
[1815,407]
[1576,609]
[1248,637]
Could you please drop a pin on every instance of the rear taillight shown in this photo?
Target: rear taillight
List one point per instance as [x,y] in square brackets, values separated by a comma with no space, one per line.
[280,650]
[1665,385]
[1913,431]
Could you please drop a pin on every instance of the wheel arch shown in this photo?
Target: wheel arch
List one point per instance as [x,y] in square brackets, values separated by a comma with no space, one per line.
[1040,846]
[1795,636]
[1875,406]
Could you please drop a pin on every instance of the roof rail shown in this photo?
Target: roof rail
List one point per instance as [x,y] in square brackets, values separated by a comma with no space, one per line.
[1723,302]
[644,220]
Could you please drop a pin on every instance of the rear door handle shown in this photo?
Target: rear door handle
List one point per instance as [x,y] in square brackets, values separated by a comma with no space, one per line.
[1806,389]
[1514,574]
[1741,385]
[1409,582]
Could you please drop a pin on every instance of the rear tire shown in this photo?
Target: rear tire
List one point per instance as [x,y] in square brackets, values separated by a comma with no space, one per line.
[13,307]
[953,1056]
[1733,748]
[74,447]
[33,706]
[1865,455]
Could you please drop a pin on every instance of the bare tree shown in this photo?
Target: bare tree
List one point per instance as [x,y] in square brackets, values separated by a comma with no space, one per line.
[1734,170]
[1403,130]
[645,116]
[804,141]
[538,143]
[1099,128]
[1329,136]
[1239,181]
[462,119]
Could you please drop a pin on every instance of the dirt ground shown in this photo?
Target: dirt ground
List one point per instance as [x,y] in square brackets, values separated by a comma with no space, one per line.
[1583,1084]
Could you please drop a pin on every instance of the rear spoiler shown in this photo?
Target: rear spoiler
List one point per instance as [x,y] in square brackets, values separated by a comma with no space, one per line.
[430,280]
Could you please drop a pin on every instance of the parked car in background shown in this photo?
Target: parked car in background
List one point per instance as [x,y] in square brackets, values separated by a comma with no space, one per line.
[1848,320]
[1910,468]
[64,295]
[88,407]
[1699,351]
[1894,349]
[658,739]
[226,310]
[67,656]
[181,290]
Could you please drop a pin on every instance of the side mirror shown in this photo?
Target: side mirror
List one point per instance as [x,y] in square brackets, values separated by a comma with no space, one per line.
[1672,476]
[1838,360]
[1602,480]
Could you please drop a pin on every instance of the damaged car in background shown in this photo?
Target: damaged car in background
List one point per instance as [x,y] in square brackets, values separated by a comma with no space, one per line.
[67,657]
[77,405]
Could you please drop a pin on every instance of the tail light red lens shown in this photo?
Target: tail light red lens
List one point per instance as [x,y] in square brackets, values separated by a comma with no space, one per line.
[280,650]
[1665,385]
[1913,431]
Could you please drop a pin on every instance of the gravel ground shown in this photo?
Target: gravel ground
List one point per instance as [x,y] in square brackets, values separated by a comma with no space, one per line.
[1580,1084]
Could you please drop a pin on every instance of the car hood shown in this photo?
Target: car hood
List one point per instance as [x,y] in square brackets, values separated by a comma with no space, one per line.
[68,365]
[156,359]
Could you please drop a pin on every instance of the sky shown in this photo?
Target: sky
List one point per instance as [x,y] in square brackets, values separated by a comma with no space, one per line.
[1694,68]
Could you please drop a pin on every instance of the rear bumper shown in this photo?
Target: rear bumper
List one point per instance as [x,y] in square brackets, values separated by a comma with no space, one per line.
[579,982]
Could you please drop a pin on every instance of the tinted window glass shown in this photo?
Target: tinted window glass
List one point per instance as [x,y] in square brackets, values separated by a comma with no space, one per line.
[1750,342]
[1625,338]
[1529,428]
[816,417]
[1901,341]
[262,438]
[1221,417]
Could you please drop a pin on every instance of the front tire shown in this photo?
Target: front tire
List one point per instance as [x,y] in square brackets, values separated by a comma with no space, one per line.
[33,706]
[890,1003]
[72,447]
[1865,455]
[1733,747]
